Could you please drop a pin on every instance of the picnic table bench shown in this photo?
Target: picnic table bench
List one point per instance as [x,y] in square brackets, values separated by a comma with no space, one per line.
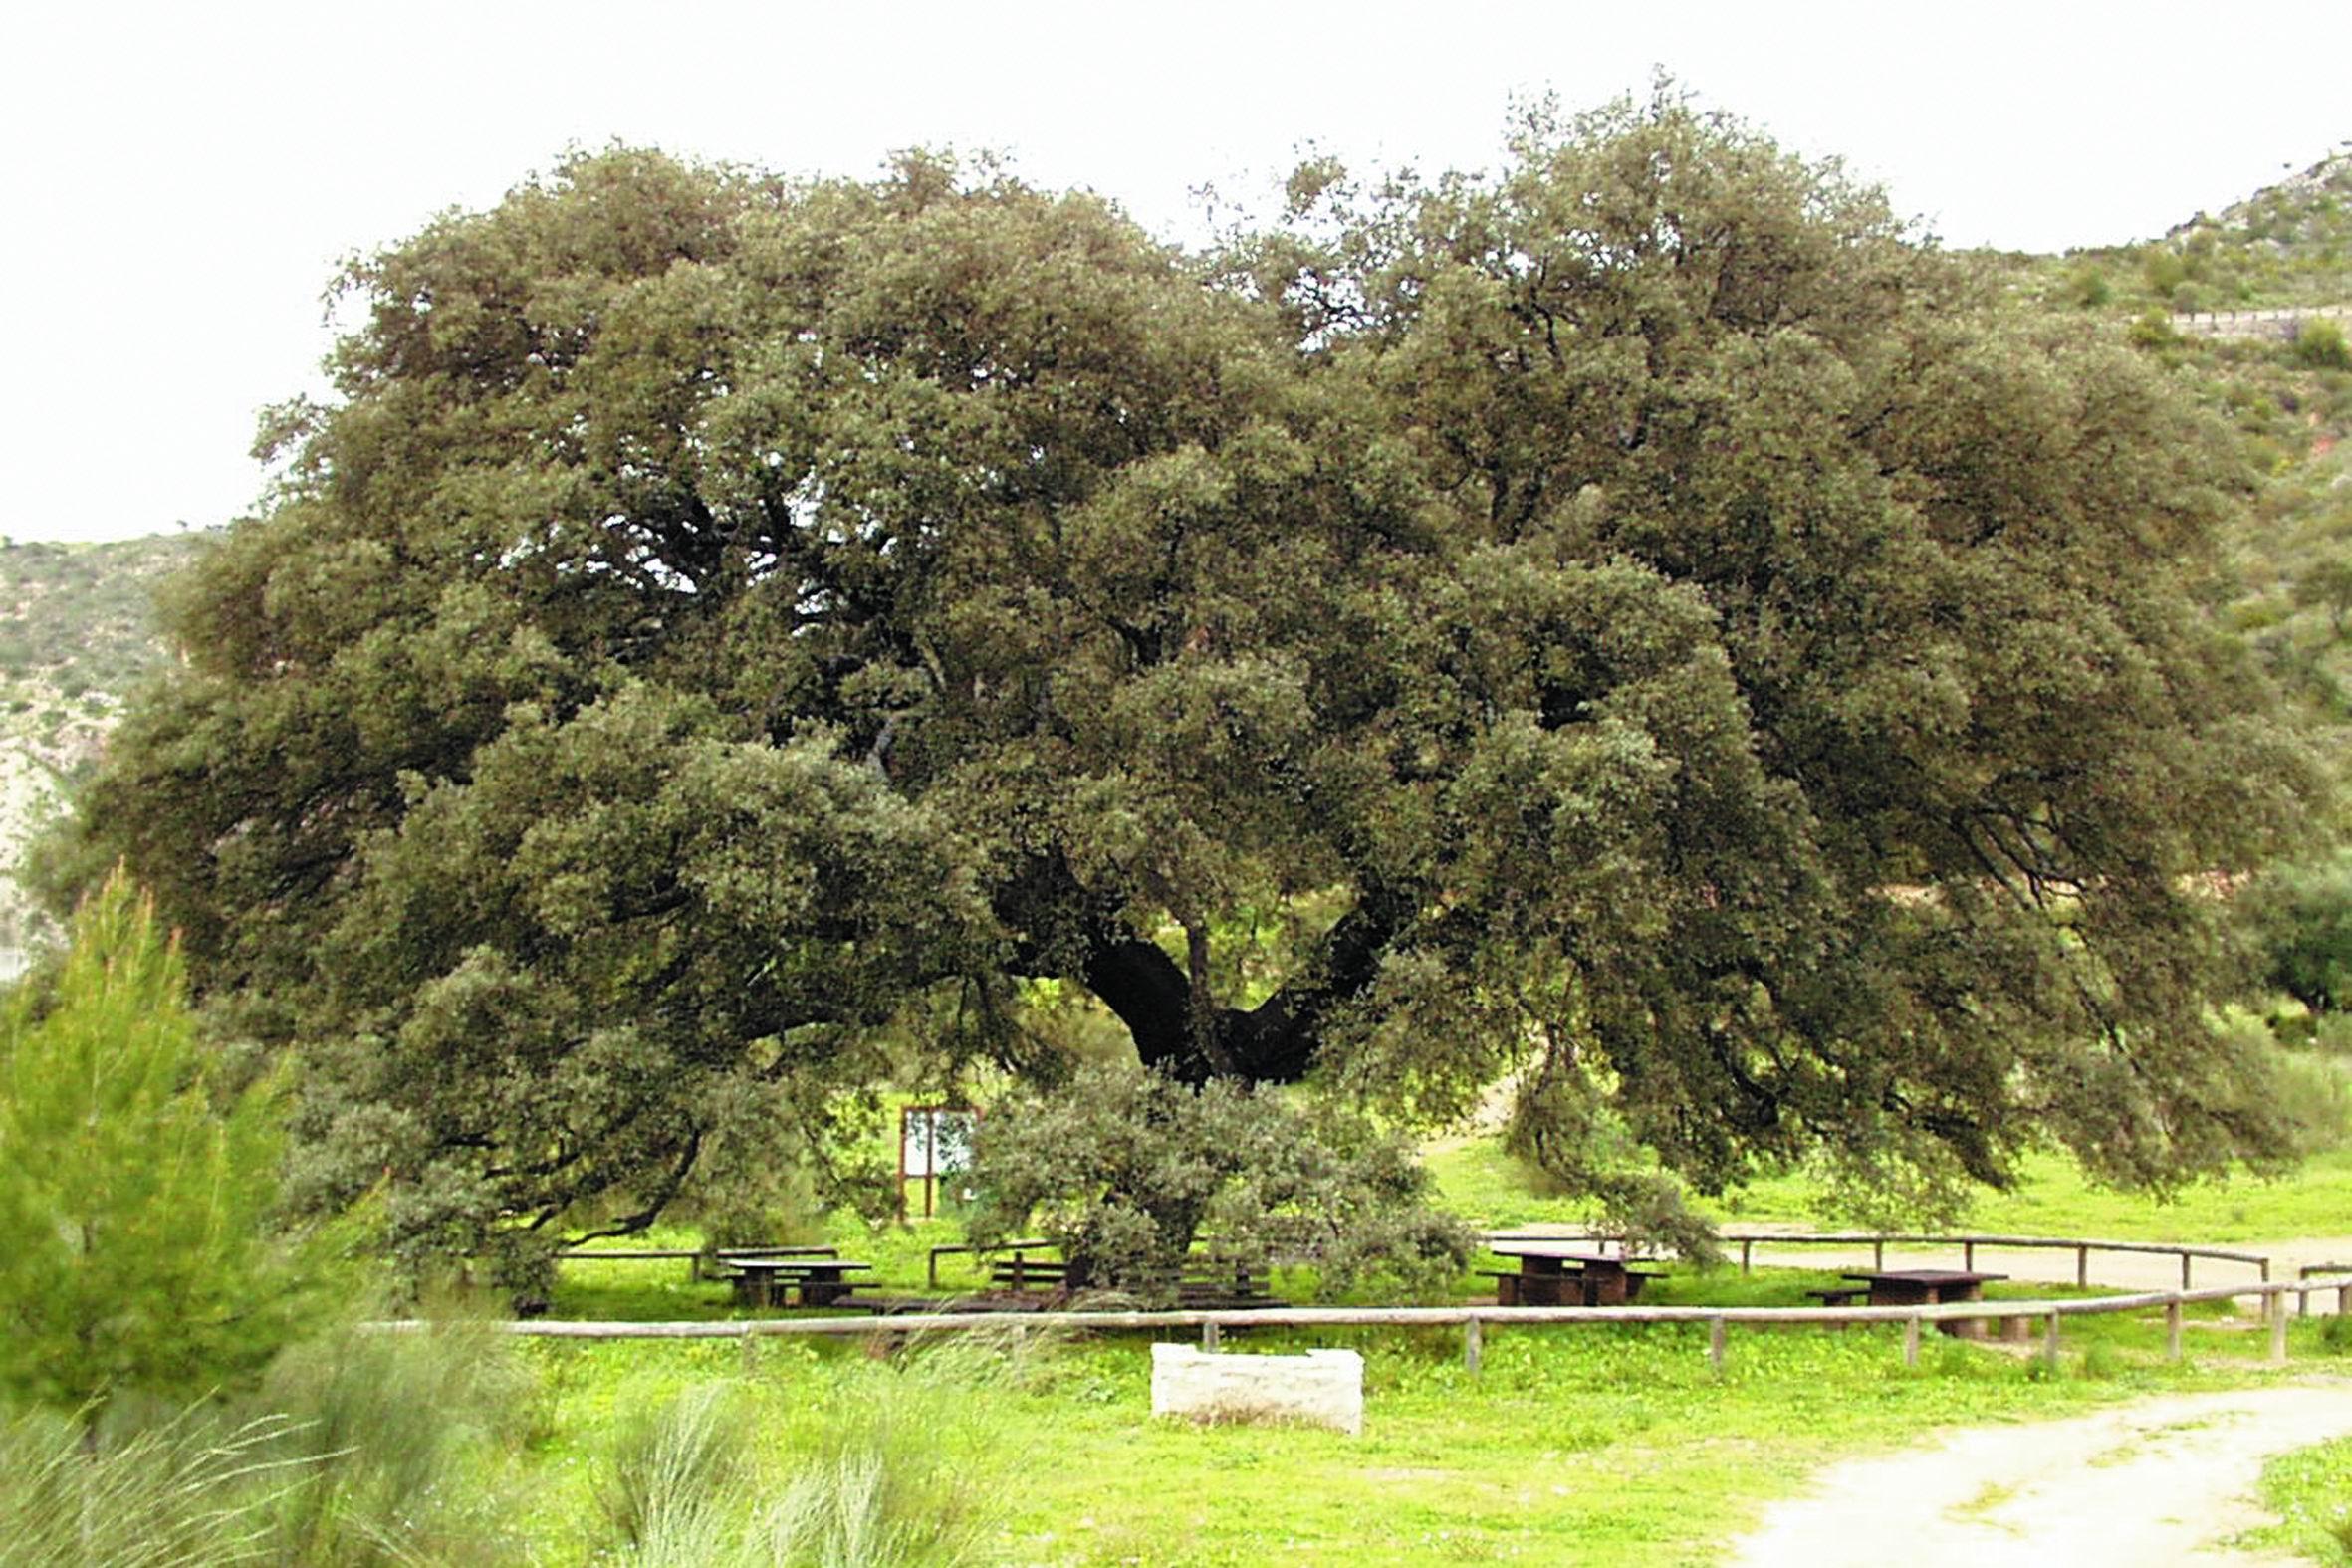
[1019,1273]
[1201,1287]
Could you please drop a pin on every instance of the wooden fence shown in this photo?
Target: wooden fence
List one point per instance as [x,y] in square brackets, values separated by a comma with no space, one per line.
[1879,1241]
[1472,1320]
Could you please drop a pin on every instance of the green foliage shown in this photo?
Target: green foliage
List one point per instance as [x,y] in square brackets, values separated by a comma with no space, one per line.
[2089,285]
[1126,1169]
[137,1189]
[2165,271]
[2301,917]
[84,614]
[2320,345]
[2310,1489]
[1637,625]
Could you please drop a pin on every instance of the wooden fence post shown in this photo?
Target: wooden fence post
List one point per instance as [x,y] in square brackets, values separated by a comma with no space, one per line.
[2082,1268]
[1211,1335]
[2277,1329]
[2185,1261]
[1878,1256]
[1715,1342]
[1746,1246]
[1471,1346]
[1967,1256]
[2171,1330]
[2050,1344]
[1911,1342]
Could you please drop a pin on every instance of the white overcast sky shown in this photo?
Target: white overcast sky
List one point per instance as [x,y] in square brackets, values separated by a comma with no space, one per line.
[179,180]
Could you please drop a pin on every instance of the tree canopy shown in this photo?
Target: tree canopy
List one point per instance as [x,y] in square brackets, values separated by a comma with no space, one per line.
[1642,626]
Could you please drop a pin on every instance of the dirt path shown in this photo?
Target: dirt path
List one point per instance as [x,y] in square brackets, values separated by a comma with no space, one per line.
[2167,1480]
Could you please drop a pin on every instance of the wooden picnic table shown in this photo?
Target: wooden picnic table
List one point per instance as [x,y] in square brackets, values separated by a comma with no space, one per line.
[820,1281]
[1927,1288]
[1553,1273]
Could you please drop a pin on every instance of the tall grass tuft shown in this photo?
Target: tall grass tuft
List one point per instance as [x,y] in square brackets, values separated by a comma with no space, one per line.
[679,1473]
[173,1495]
[402,1437]
[900,1464]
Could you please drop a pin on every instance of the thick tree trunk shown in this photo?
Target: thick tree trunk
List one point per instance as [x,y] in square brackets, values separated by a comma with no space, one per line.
[1272,1042]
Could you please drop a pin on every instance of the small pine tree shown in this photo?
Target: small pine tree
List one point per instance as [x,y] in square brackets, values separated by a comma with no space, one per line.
[138,1201]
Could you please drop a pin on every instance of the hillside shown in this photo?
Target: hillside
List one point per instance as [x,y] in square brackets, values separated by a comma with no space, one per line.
[2285,245]
[77,634]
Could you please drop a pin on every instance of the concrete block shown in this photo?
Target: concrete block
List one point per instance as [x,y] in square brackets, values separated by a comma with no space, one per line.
[1323,1387]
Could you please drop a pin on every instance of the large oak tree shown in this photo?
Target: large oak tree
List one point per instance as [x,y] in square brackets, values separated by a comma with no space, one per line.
[1641,626]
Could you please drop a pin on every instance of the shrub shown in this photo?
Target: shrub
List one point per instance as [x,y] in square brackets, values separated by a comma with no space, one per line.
[904,1470]
[1126,1169]
[2089,286]
[2153,330]
[2320,345]
[672,1470]
[2301,920]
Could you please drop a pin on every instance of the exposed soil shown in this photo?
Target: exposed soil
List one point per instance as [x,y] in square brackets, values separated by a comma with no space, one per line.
[2167,1480]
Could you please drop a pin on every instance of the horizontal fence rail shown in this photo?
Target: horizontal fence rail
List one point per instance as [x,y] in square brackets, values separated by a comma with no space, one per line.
[1472,1321]
[1879,1241]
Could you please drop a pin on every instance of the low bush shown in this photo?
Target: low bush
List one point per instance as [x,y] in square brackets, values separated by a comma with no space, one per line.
[1126,1169]
[2320,345]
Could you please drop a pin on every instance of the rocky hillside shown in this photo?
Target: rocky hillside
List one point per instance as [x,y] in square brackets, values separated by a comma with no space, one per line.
[77,634]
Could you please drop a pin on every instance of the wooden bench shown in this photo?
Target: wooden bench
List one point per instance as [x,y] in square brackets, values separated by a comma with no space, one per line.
[1020,1274]
[1224,1288]
[1840,1295]
[1198,1289]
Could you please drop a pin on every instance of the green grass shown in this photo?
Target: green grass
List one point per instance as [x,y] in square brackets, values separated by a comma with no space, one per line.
[1617,1445]
[2310,1490]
